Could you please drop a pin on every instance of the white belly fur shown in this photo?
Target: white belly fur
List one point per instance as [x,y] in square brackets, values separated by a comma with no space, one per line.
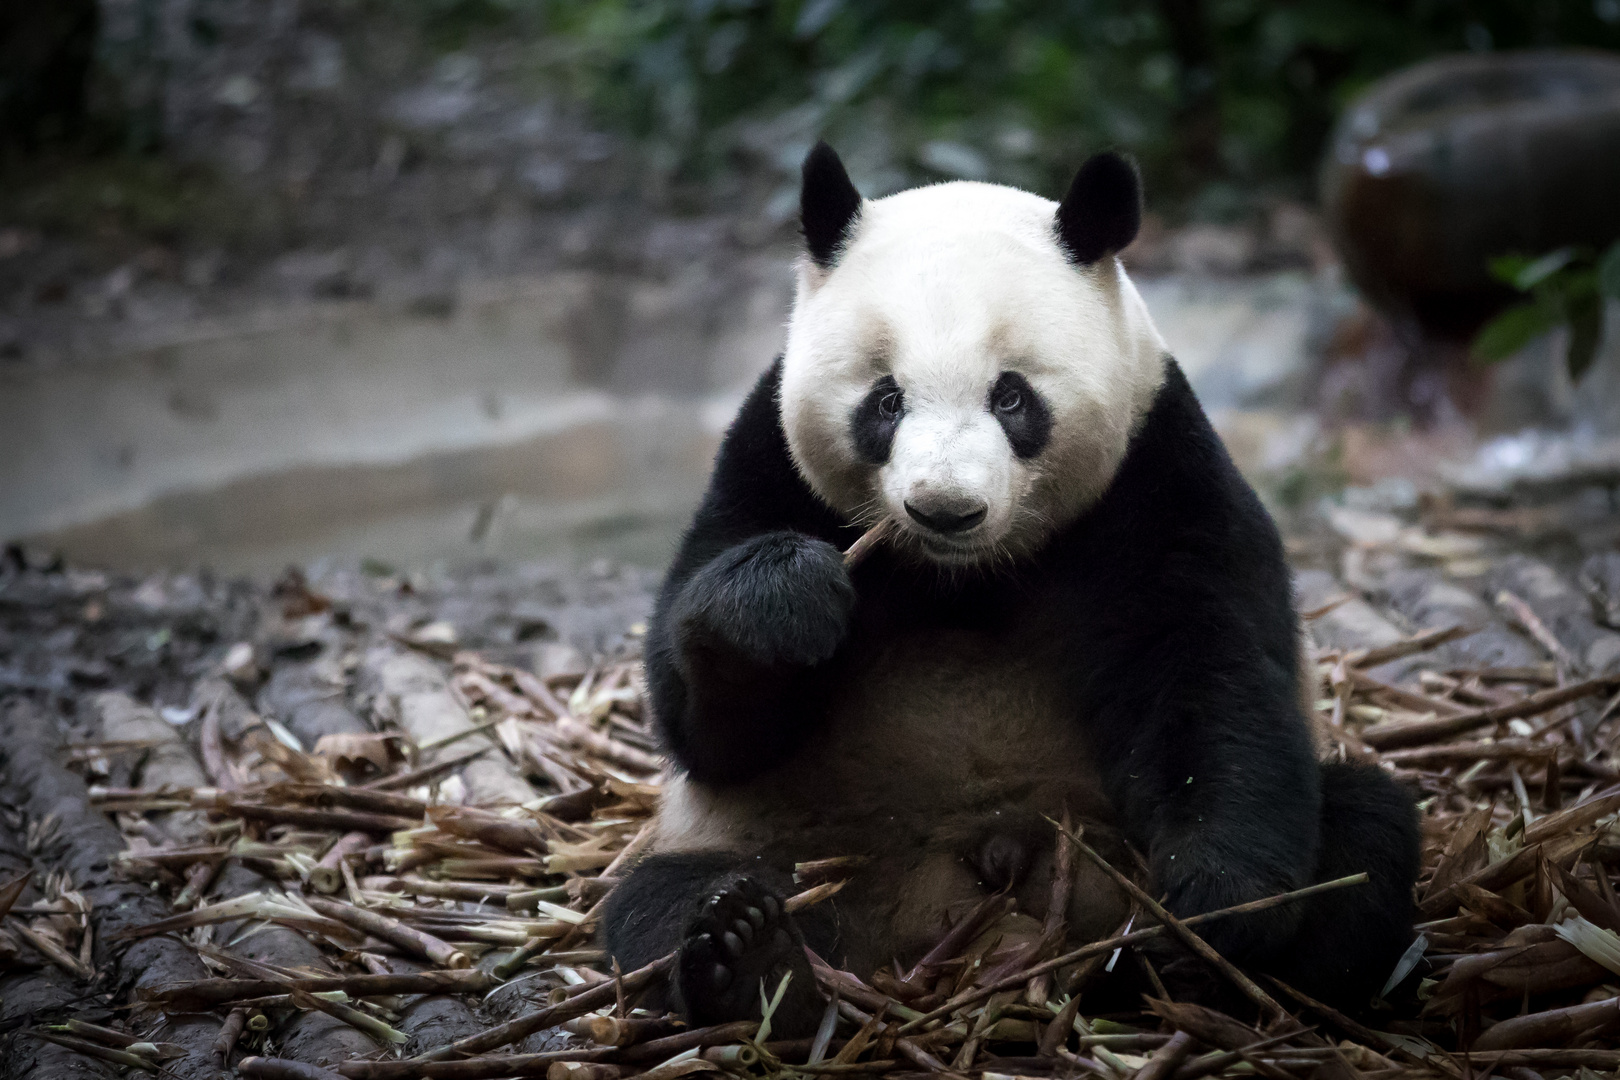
[934,743]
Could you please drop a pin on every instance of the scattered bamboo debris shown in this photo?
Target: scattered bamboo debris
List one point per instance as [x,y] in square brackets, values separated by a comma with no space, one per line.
[459,851]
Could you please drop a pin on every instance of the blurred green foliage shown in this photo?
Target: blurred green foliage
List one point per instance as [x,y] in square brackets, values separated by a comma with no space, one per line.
[1568,287]
[1213,96]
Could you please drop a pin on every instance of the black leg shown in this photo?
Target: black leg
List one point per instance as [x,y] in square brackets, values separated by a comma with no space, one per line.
[1349,940]
[723,914]
[1341,946]
[732,653]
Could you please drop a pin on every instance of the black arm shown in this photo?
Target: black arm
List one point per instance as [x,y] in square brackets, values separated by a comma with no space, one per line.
[756,599]
[1185,639]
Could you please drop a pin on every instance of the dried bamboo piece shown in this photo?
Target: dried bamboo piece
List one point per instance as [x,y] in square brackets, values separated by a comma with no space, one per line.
[198,878]
[426,774]
[360,1021]
[868,540]
[367,799]
[262,1068]
[522,837]
[1499,875]
[1552,1027]
[583,1070]
[1167,1058]
[1412,732]
[606,747]
[614,1031]
[1520,612]
[175,858]
[1098,948]
[1417,643]
[392,930]
[11,890]
[985,912]
[327,875]
[812,896]
[306,818]
[1367,1035]
[492,1066]
[718,1035]
[470,891]
[1506,749]
[229,1032]
[588,1001]
[1057,1032]
[1405,699]
[1197,944]
[1538,1059]
[207,994]
[96,1050]
[1579,816]
[906,1047]
[51,950]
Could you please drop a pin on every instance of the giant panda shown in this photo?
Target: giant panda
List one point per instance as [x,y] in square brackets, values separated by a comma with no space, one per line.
[1083,608]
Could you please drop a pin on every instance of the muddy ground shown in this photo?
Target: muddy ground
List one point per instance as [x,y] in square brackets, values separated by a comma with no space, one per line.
[122,697]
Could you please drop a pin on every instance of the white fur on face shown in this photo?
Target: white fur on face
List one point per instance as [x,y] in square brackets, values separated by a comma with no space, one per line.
[945,288]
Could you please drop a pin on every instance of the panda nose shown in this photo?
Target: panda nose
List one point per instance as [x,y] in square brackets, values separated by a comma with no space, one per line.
[947,517]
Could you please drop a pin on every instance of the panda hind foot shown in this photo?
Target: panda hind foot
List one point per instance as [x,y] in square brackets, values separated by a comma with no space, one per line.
[743,937]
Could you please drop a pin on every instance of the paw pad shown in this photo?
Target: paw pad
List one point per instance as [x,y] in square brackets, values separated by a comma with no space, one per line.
[741,936]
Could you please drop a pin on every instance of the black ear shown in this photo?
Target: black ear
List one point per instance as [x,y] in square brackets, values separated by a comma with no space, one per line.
[1103,209]
[828,204]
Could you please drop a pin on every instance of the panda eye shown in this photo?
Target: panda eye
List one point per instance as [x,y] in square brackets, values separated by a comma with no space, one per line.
[889,405]
[1009,400]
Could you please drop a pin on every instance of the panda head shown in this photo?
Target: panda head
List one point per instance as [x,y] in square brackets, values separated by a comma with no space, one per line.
[966,359]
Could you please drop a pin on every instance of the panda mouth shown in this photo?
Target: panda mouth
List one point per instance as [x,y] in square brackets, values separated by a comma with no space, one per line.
[963,548]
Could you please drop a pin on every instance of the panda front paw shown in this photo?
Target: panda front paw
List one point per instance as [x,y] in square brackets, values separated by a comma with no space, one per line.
[779,599]
[744,939]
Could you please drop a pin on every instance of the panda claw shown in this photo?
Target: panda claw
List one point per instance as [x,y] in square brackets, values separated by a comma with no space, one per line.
[741,937]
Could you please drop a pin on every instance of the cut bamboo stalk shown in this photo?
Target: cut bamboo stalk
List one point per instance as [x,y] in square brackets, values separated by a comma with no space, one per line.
[426,774]
[327,875]
[367,799]
[588,1001]
[10,891]
[335,820]
[1097,948]
[208,994]
[262,1068]
[868,540]
[908,1049]
[415,941]
[198,878]
[360,1021]
[229,1032]
[1417,643]
[1197,944]
[1413,732]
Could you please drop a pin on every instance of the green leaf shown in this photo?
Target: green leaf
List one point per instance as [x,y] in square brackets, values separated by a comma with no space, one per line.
[1609,272]
[1512,330]
[1585,332]
[1507,268]
[1539,270]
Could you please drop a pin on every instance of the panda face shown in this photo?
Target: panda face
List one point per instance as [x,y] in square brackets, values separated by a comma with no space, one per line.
[950,366]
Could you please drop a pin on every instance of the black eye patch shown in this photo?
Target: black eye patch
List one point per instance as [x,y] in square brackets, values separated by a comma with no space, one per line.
[1022,413]
[876,419]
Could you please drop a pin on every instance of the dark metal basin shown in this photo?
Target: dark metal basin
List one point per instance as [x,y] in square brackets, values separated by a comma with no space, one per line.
[1438,168]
